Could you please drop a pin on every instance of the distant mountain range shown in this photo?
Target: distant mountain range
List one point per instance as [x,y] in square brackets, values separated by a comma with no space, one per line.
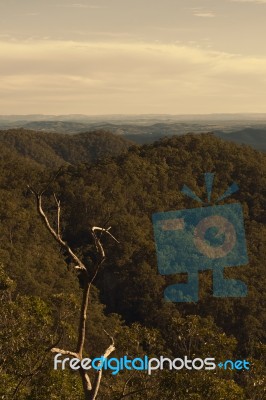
[137,118]
[240,128]
[250,136]
[255,137]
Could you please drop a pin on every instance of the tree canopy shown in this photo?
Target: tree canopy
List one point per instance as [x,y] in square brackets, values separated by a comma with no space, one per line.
[123,188]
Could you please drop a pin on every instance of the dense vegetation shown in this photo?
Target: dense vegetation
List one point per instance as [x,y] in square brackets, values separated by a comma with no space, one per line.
[53,150]
[40,293]
[255,137]
[140,131]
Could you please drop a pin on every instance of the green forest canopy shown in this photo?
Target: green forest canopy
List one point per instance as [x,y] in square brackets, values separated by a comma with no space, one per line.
[38,284]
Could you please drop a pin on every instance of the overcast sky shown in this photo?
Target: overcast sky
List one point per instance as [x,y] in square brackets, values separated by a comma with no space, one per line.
[132,56]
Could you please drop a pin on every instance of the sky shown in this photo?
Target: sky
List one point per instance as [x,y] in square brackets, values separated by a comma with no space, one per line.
[132,57]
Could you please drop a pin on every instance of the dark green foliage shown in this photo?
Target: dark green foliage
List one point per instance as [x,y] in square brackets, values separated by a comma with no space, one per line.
[148,180]
[53,150]
[124,192]
[255,137]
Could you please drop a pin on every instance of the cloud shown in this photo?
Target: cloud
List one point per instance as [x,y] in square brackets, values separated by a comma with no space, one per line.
[79,5]
[250,1]
[204,14]
[105,34]
[120,77]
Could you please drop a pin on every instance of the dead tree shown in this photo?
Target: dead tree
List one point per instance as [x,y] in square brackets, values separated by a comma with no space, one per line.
[90,387]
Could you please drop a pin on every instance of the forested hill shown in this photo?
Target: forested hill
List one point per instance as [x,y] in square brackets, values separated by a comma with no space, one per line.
[253,137]
[53,149]
[42,296]
[56,149]
[250,136]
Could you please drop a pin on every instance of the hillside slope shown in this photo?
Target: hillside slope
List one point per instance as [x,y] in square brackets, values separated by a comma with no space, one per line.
[124,191]
[53,150]
[251,136]
[148,179]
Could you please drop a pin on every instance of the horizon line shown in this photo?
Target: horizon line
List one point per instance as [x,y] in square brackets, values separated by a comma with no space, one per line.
[135,114]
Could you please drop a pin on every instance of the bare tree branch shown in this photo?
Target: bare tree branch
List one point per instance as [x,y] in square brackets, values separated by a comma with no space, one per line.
[97,381]
[97,240]
[83,318]
[65,352]
[58,215]
[90,391]
[57,237]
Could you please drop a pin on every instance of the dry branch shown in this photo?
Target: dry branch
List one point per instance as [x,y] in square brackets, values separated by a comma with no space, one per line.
[90,391]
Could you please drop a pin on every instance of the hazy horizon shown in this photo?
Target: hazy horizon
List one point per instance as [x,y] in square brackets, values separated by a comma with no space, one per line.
[248,115]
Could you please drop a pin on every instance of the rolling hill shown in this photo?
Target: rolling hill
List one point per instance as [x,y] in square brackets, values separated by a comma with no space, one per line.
[53,150]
